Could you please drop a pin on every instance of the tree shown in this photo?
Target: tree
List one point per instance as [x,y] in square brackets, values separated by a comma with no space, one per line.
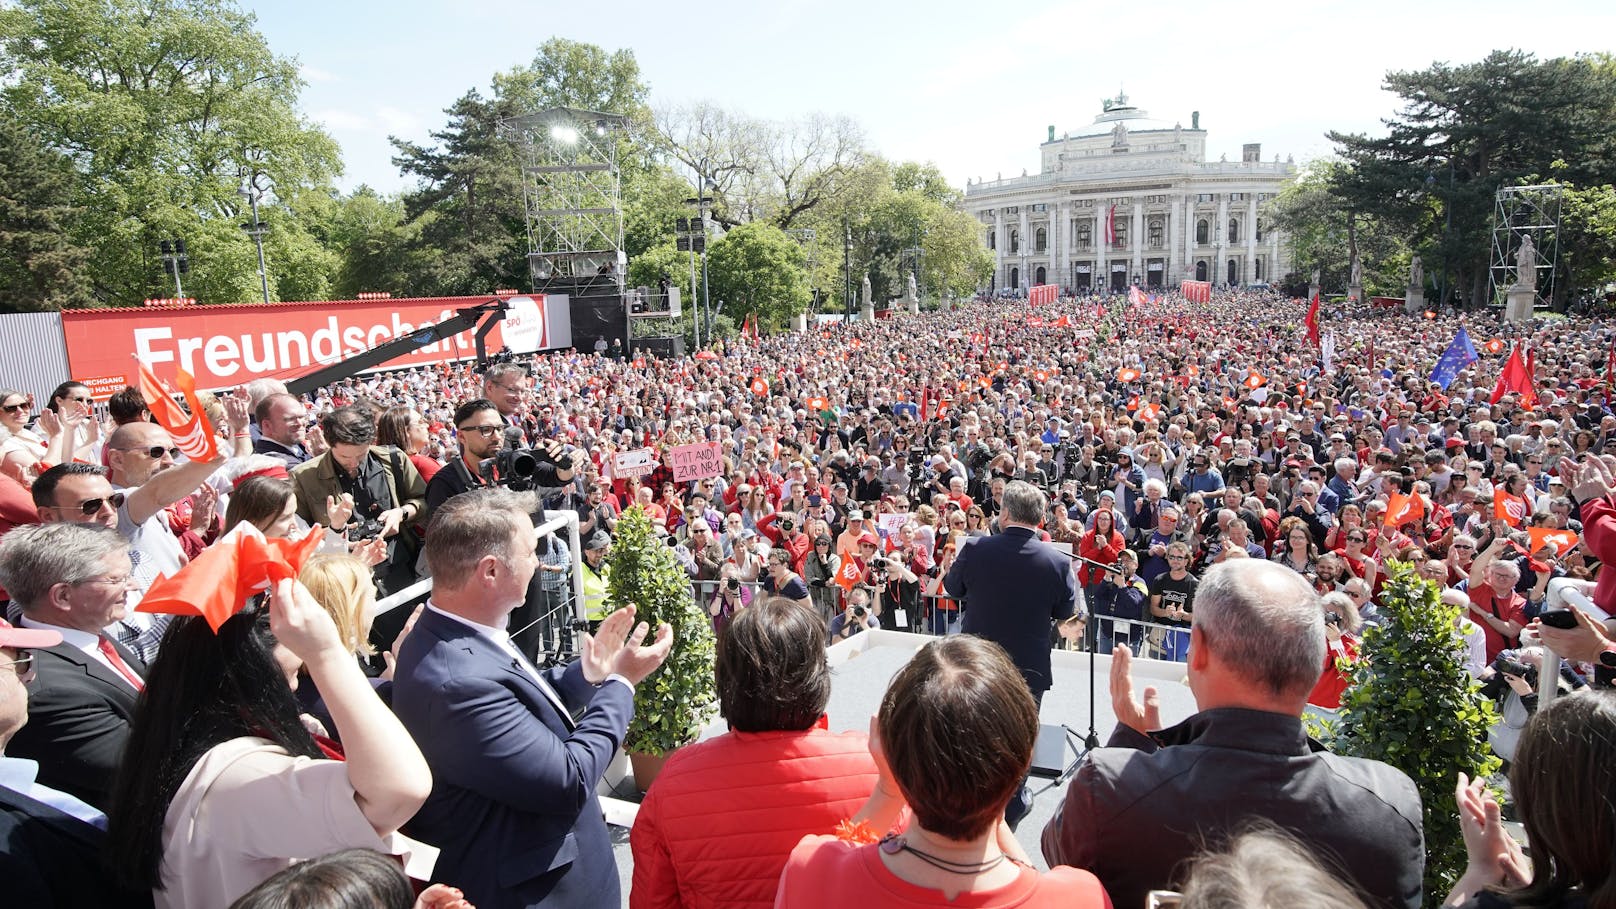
[1463,132]
[757,270]
[1323,229]
[162,105]
[370,235]
[41,267]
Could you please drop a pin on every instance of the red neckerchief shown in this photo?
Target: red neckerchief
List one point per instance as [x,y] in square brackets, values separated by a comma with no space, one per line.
[331,748]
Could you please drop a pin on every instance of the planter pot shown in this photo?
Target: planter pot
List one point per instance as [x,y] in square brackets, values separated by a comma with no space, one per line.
[646,767]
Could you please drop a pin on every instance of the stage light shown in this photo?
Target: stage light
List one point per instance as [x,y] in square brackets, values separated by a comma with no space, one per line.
[564,134]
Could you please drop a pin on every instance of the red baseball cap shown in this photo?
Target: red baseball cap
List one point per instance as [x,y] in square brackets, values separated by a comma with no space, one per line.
[868,539]
[27,638]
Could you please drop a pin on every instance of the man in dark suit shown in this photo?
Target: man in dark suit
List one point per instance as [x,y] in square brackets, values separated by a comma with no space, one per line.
[74,579]
[1010,586]
[50,842]
[513,803]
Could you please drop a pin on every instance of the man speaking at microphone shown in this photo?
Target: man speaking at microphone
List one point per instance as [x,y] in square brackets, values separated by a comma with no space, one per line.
[1010,587]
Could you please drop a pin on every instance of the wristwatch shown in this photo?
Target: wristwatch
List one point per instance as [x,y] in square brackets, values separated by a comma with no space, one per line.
[1607,657]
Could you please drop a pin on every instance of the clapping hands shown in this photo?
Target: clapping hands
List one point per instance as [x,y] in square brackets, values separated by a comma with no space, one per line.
[618,647]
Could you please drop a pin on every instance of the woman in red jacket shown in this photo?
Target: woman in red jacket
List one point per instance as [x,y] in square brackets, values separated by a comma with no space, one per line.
[1341,625]
[718,823]
[956,730]
[1102,544]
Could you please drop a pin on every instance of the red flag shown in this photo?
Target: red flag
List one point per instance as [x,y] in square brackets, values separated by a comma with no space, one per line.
[1128,374]
[760,387]
[1610,370]
[1514,378]
[1255,380]
[1111,225]
[192,433]
[1063,322]
[217,583]
[1313,321]
[1496,345]
[1149,413]
[1401,509]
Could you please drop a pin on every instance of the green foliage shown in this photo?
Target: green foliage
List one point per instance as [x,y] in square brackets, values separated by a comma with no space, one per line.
[41,267]
[1465,131]
[757,269]
[1317,222]
[162,105]
[675,702]
[1412,705]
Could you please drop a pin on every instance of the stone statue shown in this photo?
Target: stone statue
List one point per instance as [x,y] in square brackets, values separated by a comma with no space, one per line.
[1119,135]
[911,293]
[1356,279]
[869,295]
[1416,272]
[1318,277]
[1526,265]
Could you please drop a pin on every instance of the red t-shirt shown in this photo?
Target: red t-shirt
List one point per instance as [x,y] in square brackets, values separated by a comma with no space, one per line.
[1510,610]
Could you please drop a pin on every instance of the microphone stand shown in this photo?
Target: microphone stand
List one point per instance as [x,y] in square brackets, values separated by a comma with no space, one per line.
[1090,644]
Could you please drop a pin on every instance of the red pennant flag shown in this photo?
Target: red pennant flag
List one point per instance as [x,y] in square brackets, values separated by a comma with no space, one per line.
[1515,378]
[1255,380]
[1313,321]
[816,404]
[1063,322]
[1496,345]
[216,584]
[1128,374]
[1041,376]
[1192,370]
[1149,413]
[1133,403]
[1562,540]
[192,433]
[760,387]
[984,381]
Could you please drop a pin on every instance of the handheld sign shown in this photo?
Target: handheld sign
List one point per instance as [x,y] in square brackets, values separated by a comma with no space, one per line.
[696,462]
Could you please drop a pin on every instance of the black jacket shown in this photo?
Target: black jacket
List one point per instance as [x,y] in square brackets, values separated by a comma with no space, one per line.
[1143,805]
[1011,585]
[50,858]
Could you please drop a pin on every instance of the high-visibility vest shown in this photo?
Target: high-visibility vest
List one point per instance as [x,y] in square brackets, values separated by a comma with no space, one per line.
[595,592]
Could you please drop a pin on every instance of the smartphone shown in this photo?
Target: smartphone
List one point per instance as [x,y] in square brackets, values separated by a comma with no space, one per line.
[1558,618]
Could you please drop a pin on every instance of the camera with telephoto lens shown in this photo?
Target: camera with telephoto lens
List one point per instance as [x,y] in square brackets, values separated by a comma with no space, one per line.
[880,563]
[363,529]
[859,612]
[514,468]
[732,584]
[1506,666]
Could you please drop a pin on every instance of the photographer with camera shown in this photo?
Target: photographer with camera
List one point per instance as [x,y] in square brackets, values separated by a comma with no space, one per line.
[856,617]
[1342,623]
[485,460]
[781,581]
[728,598]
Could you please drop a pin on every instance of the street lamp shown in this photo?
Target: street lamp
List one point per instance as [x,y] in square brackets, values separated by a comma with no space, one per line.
[252,192]
[693,237]
[847,272]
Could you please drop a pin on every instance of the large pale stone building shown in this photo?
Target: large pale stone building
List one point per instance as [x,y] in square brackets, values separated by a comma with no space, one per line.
[1171,214]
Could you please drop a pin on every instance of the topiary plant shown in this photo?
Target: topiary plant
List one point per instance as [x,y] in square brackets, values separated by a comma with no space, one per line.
[1412,704]
[672,704]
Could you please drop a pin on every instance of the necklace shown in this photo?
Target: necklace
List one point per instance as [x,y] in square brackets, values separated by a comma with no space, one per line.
[894,844]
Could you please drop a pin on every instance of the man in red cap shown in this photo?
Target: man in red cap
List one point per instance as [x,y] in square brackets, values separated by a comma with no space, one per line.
[50,842]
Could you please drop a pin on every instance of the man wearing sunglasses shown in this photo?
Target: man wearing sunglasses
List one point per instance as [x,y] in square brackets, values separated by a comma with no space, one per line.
[143,463]
[53,840]
[480,429]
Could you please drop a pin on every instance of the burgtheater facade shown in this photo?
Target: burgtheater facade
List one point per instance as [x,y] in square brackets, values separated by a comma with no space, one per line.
[1129,202]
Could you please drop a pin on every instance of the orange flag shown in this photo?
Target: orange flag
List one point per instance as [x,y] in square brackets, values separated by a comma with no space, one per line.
[1401,509]
[1562,540]
[192,433]
[1512,510]
[760,387]
[1150,413]
[816,404]
[1495,346]
[1128,374]
[848,575]
[1255,380]
[217,583]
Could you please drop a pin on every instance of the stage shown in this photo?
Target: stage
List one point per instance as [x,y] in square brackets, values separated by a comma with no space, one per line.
[861,668]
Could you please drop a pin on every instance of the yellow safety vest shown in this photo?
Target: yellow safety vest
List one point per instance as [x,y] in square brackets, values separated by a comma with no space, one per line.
[595,592]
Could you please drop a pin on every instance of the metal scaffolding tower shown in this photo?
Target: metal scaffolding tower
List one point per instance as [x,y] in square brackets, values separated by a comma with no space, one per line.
[573,196]
[1526,211]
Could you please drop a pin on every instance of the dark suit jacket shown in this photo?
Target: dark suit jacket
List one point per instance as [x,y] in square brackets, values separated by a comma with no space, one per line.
[78,720]
[1011,585]
[513,804]
[50,858]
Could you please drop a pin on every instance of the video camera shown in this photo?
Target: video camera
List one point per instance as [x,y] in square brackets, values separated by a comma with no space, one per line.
[515,466]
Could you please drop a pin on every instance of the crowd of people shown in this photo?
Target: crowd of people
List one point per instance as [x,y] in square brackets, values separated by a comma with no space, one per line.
[1201,482]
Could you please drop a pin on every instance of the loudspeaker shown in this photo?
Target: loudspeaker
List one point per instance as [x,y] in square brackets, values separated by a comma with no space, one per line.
[1053,752]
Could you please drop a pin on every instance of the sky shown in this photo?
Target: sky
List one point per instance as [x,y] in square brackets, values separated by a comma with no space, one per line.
[971,87]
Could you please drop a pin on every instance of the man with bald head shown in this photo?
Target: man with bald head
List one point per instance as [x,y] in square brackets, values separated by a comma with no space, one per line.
[1139,808]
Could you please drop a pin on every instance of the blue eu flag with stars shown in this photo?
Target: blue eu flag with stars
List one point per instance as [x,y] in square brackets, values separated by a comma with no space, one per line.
[1460,353]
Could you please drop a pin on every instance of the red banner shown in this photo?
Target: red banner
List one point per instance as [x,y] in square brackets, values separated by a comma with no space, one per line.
[1040,294]
[227,346]
[1196,291]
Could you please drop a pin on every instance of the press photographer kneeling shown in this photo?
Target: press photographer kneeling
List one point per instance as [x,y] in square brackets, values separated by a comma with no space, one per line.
[855,617]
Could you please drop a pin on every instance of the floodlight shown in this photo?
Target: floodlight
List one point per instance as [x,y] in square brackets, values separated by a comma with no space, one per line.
[564,134]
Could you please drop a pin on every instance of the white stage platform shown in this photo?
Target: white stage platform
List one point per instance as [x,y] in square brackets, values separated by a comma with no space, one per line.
[861,668]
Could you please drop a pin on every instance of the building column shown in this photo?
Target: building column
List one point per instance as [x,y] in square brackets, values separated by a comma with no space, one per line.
[1274,268]
[1188,266]
[1172,268]
[1220,230]
[1026,248]
[1100,249]
[1251,238]
[1136,241]
[999,241]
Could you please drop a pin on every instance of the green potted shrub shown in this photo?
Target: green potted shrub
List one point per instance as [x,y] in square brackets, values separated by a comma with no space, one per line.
[1412,704]
[673,704]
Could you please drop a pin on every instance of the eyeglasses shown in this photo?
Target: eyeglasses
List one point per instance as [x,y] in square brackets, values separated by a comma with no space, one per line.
[1177,558]
[13,408]
[486,432]
[117,580]
[155,452]
[22,665]
[1357,539]
[1463,546]
[91,506]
